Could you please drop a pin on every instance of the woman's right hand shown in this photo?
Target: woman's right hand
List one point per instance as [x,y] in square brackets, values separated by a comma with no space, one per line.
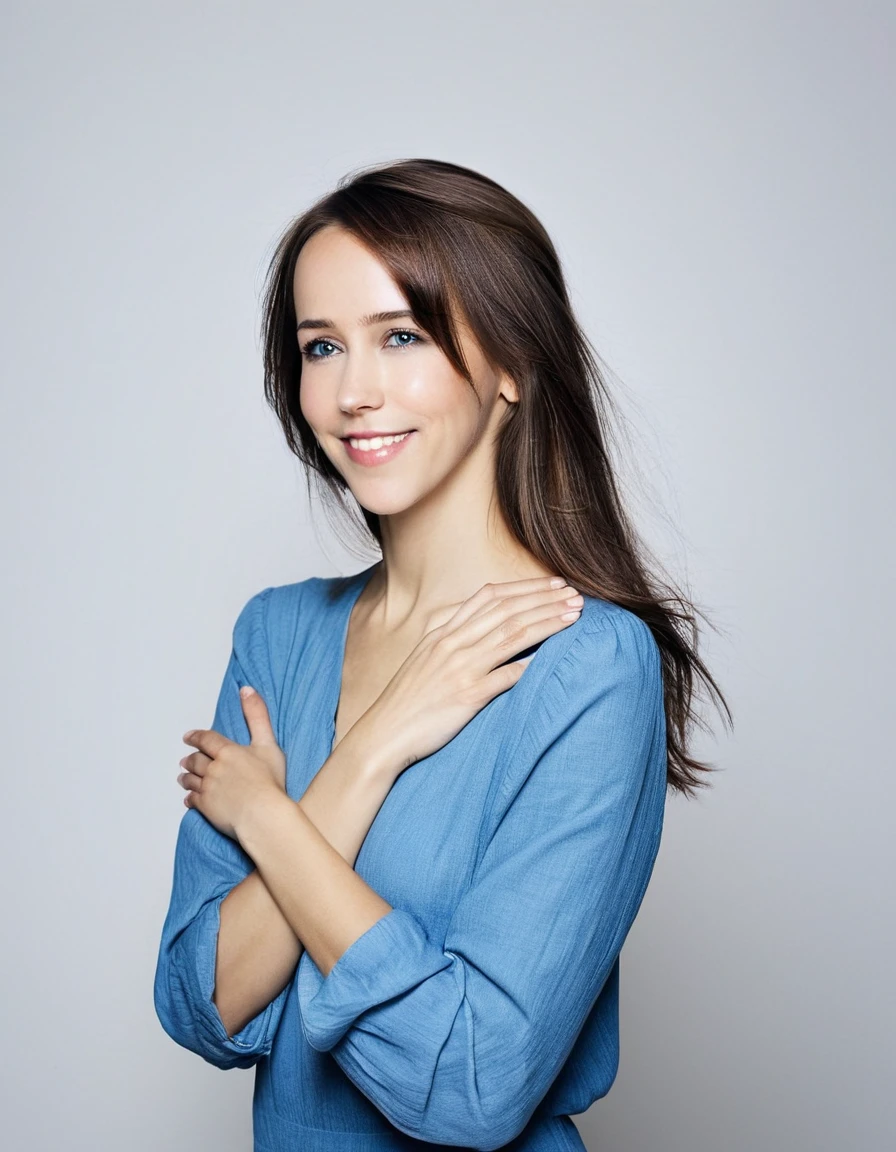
[458,667]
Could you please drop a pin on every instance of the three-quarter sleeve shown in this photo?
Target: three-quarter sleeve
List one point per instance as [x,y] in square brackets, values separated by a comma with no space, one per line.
[457,1040]
[207,866]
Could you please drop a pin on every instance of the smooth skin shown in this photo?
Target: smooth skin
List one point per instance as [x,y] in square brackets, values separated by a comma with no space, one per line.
[453,599]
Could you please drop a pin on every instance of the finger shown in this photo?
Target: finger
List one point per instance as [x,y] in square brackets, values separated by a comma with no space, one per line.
[196,762]
[505,676]
[489,593]
[190,781]
[527,607]
[505,607]
[207,741]
[520,630]
[257,719]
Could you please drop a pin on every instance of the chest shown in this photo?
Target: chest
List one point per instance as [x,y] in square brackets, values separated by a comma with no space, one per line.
[369,665]
[424,842]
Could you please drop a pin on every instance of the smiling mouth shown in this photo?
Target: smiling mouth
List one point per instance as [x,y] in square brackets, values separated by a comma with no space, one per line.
[376,443]
[376,435]
[374,450]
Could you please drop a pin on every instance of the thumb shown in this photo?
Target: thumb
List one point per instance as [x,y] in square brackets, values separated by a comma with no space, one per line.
[257,718]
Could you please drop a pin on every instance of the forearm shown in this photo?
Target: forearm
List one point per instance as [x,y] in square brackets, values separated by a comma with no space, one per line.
[258,948]
[325,902]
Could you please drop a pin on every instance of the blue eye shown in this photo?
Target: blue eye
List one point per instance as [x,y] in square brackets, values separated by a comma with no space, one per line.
[309,355]
[415,338]
[403,332]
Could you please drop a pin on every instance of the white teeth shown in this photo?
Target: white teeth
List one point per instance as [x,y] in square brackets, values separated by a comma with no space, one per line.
[376,442]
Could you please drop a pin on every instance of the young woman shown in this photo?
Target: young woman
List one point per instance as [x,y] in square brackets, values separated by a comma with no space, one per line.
[414,849]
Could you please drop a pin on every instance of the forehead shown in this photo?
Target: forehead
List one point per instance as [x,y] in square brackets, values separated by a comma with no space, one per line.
[338,277]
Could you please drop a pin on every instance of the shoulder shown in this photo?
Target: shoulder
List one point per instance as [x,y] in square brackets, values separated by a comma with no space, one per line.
[282,600]
[608,625]
[590,722]
[281,616]
[268,615]
[311,596]
[608,655]
[607,635]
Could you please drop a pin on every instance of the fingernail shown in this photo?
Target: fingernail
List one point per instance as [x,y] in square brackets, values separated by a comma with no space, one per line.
[189,735]
[557,582]
[246,690]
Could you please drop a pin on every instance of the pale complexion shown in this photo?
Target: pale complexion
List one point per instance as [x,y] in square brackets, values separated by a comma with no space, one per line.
[443,534]
[443,539]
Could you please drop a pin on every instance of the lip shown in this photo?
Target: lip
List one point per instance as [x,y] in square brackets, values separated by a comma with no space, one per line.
[370,459]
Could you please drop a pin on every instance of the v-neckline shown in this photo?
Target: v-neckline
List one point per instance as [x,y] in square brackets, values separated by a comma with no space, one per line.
[346,603]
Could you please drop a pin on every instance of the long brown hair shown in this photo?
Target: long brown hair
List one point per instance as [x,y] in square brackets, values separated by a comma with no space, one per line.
[458,244]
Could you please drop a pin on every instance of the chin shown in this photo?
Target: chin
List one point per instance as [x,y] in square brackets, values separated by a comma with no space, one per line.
[385,507]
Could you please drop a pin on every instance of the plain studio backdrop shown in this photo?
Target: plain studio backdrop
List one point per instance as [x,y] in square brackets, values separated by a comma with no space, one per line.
[718,179]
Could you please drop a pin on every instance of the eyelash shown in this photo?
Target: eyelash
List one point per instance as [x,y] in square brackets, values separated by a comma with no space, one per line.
[309,344]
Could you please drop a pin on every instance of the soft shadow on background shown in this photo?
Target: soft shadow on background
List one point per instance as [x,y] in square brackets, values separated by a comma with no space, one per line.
[719,182]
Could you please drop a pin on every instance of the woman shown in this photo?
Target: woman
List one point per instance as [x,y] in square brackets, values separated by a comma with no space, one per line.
[412,854]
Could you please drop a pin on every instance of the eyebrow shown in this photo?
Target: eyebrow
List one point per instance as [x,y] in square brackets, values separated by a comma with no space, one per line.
[366,321]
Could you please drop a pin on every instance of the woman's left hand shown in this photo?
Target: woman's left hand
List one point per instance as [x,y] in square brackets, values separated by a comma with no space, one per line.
[223,779]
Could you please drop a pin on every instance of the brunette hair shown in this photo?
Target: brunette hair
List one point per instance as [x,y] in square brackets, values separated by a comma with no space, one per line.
[457,244]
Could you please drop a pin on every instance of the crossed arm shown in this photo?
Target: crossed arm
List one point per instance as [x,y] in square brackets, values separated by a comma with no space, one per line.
[303,888]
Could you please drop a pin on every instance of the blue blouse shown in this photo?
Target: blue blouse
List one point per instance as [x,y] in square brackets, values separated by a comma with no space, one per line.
[484,1008]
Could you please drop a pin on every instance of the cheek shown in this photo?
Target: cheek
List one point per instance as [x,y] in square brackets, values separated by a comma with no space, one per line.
[439,395]
[310,402]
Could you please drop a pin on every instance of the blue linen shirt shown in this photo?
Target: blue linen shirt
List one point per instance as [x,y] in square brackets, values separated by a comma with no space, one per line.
[483,1009]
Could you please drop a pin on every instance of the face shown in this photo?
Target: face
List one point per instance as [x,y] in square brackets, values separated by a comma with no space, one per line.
[364,373]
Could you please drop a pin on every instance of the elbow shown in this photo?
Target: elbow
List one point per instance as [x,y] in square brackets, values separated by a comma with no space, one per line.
[170,1006]
[186,1035]
[445,1111]
[511,1086]
[489,1119]
[464,1128]
[509,1116]
[489,1141]
[174,1024]
[191,1031]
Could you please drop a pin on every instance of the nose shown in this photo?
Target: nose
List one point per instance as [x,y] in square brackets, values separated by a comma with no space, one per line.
[359,384]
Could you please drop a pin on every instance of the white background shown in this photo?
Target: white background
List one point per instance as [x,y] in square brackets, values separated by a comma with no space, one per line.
[719,181]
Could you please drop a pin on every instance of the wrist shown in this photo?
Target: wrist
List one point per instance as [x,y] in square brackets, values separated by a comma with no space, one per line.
[371,753]
[256,819]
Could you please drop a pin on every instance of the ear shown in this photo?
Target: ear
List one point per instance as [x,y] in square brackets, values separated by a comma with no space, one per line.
[508,389]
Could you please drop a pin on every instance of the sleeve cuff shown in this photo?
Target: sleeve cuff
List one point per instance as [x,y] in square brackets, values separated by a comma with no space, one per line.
[391,957]
[196,951]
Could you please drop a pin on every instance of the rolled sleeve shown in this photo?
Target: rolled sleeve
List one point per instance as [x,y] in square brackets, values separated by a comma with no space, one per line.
[392,957]
[207,866]
[457,1040]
